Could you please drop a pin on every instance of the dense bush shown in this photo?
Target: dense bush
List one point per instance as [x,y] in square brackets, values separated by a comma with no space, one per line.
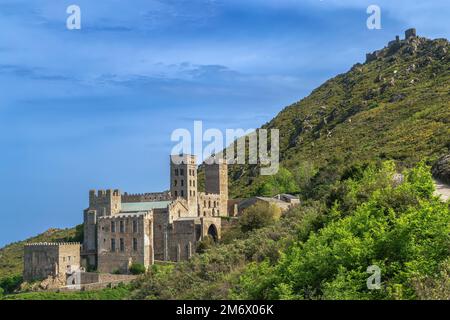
[137,268]
[259,215]
[205,244]
[282,182]
[402,229]
[10,284]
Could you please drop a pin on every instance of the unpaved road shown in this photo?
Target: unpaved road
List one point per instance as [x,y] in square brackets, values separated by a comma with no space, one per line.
[442,190]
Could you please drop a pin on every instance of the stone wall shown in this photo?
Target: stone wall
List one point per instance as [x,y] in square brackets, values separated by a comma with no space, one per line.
[123,240]
[208,204]
[43,260]
[147,197]
[216,182]
[182,239]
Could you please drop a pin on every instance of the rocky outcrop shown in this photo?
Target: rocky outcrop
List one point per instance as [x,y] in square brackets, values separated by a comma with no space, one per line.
[441,169]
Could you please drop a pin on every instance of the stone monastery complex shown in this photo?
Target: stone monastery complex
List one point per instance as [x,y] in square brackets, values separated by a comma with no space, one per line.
[122,229]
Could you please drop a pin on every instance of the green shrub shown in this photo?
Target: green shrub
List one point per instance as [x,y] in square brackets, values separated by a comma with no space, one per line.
[258,216]
[137,268]
[402,229]
[206,244]
[10,284]
[282,182]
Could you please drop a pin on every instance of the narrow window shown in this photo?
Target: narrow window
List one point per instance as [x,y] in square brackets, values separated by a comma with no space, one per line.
[122,226]
[135,244]
[181,172]
[135,226]
[113,245]
[182,182]
[113,226]
[176,172]
[182,193]
[122,245]
[175,183]
[176,194]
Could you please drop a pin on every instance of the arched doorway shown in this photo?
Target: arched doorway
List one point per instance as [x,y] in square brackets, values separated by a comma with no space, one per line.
[212,232]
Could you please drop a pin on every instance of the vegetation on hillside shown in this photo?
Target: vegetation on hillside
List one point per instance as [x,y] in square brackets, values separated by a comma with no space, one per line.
[396,107]
[118,293]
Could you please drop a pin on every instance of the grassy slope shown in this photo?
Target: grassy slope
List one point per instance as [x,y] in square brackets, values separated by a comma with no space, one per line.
[11,256]
[396,107]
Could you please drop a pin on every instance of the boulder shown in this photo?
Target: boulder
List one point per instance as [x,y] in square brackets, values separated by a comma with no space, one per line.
[441,169]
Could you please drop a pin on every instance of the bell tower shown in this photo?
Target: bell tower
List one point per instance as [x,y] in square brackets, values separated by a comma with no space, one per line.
[183,179]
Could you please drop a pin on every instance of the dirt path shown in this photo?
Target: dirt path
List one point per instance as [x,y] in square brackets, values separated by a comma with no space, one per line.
[443,190]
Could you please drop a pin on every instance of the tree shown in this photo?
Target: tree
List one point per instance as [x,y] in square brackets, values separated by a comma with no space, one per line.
[259,215]
[282,182]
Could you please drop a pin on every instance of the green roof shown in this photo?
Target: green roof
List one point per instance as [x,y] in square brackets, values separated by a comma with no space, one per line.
[143,206]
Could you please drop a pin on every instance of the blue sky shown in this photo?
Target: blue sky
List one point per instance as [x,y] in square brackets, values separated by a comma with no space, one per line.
[94,108]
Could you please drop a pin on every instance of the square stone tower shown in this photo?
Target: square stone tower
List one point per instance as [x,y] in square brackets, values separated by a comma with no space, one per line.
[183,179]
[101,204]
[216,181]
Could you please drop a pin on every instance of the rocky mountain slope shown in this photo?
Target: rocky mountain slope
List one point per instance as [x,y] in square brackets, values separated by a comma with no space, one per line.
[396,106]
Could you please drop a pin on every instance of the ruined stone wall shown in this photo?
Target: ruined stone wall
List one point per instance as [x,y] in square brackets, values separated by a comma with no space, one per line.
[132,242]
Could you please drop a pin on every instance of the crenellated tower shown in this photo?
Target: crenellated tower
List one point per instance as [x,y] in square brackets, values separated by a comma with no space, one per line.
[102,203]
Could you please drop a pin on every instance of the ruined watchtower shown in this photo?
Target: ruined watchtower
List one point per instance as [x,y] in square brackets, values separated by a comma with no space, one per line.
[410,33]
